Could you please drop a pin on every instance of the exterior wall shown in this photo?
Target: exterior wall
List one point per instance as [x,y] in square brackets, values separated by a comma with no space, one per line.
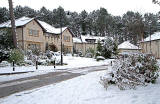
[84,47]
[19,37]
[155,48]
[78,47]
[30,39]
[52,39]
[55,40]
[67,43]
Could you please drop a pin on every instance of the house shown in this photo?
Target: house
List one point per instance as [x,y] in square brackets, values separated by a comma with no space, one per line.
[36,34]
[86,42]
[151,44]
[128,47]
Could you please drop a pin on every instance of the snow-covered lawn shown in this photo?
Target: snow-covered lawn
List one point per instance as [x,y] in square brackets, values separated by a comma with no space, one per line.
[72,62]
[86,90]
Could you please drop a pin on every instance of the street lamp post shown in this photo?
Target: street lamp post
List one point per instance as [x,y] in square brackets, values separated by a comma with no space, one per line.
[150,36]
[61,38]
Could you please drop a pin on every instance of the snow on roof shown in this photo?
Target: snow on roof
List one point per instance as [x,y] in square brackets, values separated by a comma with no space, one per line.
[84,37]
[127,45]
[24,20]
[76,40]
[18,22]
[154,36]
[51,29]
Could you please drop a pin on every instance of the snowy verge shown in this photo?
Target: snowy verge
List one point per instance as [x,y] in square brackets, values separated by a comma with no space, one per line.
[86,90]
[72,62]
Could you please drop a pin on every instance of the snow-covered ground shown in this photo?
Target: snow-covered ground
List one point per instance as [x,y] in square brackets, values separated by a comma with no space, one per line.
[86,90]
[72,62]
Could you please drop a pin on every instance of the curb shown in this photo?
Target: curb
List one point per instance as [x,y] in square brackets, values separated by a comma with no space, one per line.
[15,73]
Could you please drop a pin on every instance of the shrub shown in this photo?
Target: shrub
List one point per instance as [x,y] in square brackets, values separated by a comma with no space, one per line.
[16,55]
[98,58]
[90,53]
[6,39]
[4,64]
[6,43]
[99,49]
[4,55]
[132,70]
[107,49]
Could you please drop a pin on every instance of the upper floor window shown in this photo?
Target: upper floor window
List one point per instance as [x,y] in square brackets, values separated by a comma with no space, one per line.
[33,32]
[66,38]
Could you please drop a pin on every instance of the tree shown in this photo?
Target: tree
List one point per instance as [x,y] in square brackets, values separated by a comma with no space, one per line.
[45,15]
[102,21]
[4,14]
[20,11]
[60,17]
[6,43]
[109,48]
[6,40]
[83,22]
[99,48]
[156,2]
[74,20]
[13,23]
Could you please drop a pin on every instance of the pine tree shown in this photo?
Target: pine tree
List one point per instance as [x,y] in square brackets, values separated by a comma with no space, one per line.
[99,48]
[4,14]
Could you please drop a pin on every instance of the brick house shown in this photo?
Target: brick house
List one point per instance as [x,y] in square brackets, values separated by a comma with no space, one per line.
[151,44]
[86,42]
[35,34]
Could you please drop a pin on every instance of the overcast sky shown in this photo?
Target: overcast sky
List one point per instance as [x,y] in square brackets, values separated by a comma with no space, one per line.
[115,7]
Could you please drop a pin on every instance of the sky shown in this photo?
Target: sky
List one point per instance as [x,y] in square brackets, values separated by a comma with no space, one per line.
[114,7]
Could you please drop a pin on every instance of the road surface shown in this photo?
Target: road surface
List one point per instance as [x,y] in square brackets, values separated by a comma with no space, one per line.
[10,87]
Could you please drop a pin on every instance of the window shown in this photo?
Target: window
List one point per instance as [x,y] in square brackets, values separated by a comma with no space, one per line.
[33,46]
[33,32]
[66,38]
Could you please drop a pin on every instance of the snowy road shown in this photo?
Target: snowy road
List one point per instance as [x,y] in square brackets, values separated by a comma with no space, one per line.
[18,85]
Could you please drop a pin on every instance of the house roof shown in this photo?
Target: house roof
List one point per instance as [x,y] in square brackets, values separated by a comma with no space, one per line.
[77,40]
[24,20]
[51,29]
[18,22]
[127,45]
[154,36]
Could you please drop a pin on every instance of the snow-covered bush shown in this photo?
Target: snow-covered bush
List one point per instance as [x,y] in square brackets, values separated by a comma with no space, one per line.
[6,43]
[4,55]
[16,55]
[49,54]
[80,54]
[4,64]
[99,49]
[131,70]
[28,62]
[107,49]
[42,62]
[98,58]
[6,39]
[90,53]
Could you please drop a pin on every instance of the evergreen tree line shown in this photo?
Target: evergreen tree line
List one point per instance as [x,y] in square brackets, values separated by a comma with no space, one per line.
[131,26]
